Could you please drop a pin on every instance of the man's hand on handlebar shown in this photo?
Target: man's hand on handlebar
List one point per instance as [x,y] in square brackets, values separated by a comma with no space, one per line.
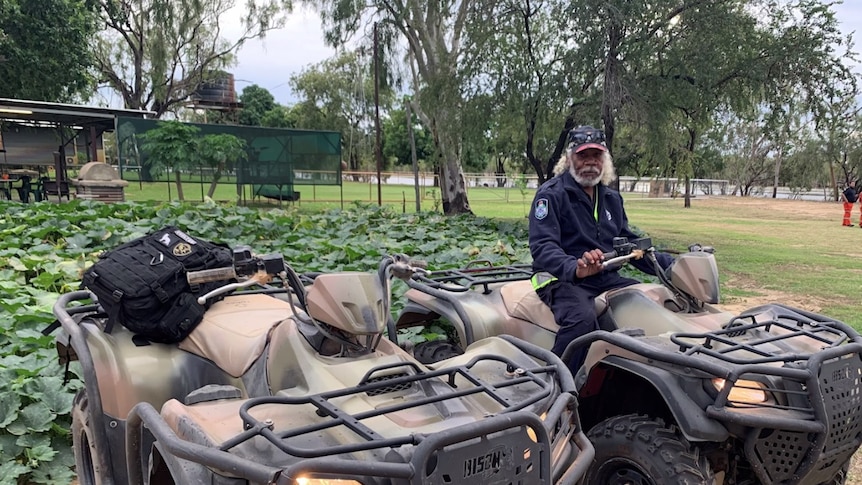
[590,263]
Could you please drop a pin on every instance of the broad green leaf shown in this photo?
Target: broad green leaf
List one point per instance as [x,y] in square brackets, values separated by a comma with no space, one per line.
[37,417]
[10,471]
[10,403]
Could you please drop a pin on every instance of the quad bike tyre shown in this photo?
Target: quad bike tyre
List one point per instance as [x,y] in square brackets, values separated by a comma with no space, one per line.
[83,442]
[640,450]
[839,477]
[435,351]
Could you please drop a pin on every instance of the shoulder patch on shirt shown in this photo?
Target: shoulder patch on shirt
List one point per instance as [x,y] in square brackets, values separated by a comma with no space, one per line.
[541,211]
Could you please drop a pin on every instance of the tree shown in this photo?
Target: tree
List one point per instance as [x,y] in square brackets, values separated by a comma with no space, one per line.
[156,53]
[280,117]
[256,102]
[338,94]
[44,46]
[219,152]
[437,41]
[669,66]
[396,139]
[171,145]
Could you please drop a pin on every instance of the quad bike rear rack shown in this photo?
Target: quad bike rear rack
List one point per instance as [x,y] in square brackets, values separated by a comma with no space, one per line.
[436,458]
[447,284]
[812,399]
[476,274]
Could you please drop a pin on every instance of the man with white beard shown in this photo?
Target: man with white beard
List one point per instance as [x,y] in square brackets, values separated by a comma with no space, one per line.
[574,219]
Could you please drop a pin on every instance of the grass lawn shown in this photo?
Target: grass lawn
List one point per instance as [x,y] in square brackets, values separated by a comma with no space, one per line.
[486,201]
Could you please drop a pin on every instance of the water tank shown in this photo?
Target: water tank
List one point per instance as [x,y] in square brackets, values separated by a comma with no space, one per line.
[218,90]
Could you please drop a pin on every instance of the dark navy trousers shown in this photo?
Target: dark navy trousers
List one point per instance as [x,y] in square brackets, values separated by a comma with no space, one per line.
[574,310]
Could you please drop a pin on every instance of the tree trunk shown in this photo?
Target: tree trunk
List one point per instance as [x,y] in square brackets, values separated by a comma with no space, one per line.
[692,136]
[179,181]
[453,186]
[777,171]
[216,178]
[500,172]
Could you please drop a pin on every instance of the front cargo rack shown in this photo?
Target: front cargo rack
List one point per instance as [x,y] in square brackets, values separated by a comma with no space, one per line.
[370,385]
[514,437]
[793,374]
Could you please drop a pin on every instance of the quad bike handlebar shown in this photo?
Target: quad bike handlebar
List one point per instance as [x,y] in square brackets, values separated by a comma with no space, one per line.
[250,270]
[625,250]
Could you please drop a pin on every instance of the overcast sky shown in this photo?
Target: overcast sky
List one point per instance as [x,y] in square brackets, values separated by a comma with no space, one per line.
[270,62]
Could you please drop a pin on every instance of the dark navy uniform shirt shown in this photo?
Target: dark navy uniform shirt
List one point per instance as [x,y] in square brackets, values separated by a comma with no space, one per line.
[565,223]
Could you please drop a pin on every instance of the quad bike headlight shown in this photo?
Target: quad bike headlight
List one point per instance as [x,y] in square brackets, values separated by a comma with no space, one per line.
[748,392]
[325,481]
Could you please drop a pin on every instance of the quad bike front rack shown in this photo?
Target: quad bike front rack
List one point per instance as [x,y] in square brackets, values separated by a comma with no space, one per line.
[513,438]
[811,406]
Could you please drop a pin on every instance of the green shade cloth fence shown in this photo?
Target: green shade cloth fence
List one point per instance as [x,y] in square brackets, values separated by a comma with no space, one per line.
[278,158]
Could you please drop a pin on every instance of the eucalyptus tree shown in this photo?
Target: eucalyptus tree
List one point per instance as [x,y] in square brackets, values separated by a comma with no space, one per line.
[43,49]
[538,71]
[669,66]
[838,129]
[338,94]
[434,35]
[156,53]
[747,153]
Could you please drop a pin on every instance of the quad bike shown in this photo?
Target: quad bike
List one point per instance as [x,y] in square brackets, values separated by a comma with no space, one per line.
[674,390]
[287,380]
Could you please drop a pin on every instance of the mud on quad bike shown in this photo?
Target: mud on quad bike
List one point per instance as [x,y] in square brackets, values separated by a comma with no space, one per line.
[674,390]
[288,380]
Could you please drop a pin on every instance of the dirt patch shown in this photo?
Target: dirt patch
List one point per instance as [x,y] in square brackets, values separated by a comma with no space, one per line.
[762,296]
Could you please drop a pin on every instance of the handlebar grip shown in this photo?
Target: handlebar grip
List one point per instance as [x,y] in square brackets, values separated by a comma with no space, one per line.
[610,255]
[210,275]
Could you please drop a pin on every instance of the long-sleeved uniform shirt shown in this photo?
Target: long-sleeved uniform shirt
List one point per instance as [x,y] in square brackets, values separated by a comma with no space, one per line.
[565,223]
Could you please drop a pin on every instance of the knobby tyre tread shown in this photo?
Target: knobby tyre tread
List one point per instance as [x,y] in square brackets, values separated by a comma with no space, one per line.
[640,449]
[86,464]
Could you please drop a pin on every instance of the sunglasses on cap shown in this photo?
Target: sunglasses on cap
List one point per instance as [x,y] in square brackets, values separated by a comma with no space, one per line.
[583,138]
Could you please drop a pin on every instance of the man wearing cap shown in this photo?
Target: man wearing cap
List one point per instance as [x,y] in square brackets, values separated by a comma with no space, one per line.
[574,218]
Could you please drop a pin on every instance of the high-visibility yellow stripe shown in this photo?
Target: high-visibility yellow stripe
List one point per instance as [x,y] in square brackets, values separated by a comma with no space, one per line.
[541,280]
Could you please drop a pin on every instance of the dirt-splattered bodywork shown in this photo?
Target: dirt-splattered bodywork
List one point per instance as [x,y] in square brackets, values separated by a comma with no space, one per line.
[268,391]
[773,395]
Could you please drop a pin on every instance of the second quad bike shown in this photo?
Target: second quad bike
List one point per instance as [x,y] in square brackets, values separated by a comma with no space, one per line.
[287,380]
[675,390]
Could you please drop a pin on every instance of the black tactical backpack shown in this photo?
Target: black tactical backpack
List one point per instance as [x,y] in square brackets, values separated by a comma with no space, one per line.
[142,284]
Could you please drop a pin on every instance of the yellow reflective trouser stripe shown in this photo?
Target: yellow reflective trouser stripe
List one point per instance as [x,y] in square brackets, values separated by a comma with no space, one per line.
[541,280]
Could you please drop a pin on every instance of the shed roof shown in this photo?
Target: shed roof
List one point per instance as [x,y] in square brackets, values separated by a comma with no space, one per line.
[72,115]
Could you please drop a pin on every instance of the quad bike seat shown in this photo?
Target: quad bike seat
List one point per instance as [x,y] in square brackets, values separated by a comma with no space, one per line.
[522,302]
[234,331]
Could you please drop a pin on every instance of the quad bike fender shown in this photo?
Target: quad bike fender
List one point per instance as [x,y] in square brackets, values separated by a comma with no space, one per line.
[677,395]
[128,373]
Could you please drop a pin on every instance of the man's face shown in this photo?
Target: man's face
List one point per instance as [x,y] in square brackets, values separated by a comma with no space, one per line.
[587,167]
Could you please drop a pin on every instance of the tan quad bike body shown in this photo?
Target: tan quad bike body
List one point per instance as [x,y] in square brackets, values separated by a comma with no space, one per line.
[770,396]
[294,384]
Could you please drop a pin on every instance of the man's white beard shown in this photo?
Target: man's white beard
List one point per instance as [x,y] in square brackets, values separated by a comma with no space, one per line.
[586,180]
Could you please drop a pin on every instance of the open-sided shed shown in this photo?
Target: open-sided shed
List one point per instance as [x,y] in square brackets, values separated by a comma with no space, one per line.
[38,133]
